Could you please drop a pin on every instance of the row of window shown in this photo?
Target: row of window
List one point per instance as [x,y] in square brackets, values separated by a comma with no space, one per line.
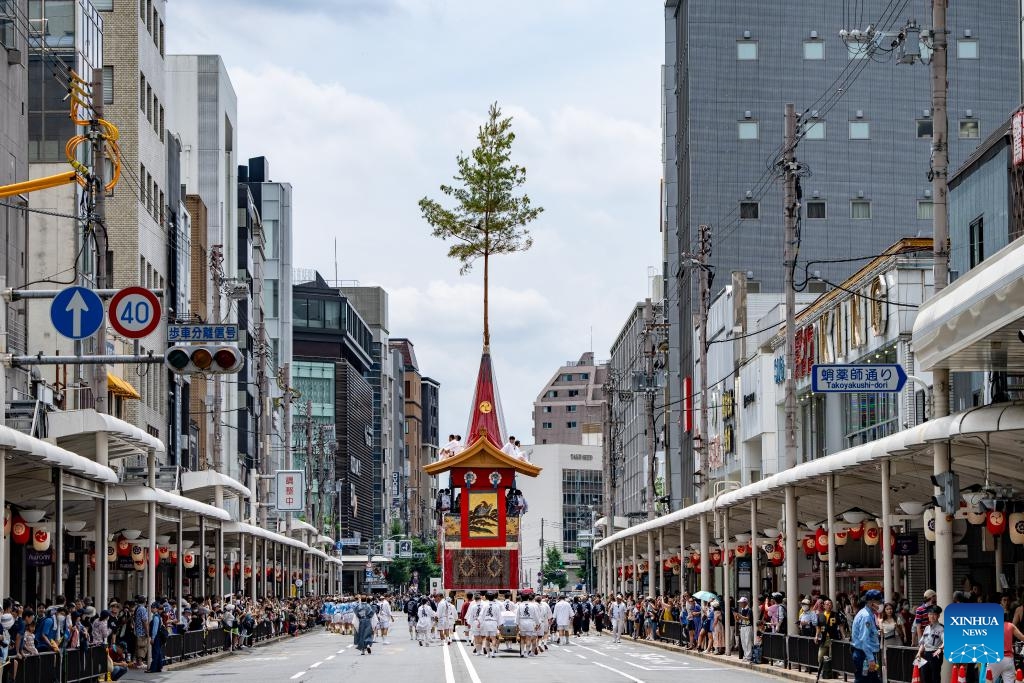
[568,409]
[149,103]
[548,425]
[151,196]
[817,209]
[968,129]
[553,393]
[814,49]
[154,24]
[578,377]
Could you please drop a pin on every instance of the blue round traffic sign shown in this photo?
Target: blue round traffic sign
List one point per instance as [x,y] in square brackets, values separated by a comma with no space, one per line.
[76,313]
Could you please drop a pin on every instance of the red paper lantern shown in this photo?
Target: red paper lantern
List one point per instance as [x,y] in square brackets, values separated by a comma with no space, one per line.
[211,570]
[857,532]
[163,552]
[743,550]
[821,540]
[248,571]
[189,560]
[619,573]
[41,539]
[111,551]
[124,547]
[236,569]
[809,544]
[140,563]
[666,566]
[996,522]
[695,559]
[20,531]
[778,556]
[732,555]
[716,557]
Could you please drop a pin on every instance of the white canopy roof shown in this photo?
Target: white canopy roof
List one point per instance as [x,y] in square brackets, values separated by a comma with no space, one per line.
[318,553]
[972,324]
[38,451]
[260,532]
[1000,424]
[297,525]
[144,494]
[326,540]
[197,482]
[74,429]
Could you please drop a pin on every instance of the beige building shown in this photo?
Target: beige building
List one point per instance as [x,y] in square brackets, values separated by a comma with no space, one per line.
[570,408]
[133,52]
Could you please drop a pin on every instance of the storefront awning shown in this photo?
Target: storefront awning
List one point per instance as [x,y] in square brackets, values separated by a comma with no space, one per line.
[42,453]
[145,494]
[201,485]
[120,387]
[260,532]
[973,323]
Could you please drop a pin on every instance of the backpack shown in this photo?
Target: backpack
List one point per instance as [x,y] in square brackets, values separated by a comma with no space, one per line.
[161,631]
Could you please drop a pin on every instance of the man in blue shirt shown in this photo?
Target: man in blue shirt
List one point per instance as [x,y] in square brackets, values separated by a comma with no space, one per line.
[156,656]
[140,623]
[864,638]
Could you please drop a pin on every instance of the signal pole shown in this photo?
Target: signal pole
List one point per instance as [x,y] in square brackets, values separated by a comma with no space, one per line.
[98,228]
[648,351]
[705,306]
[792,209]
[216,268]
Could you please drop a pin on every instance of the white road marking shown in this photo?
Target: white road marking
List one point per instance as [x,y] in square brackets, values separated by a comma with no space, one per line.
[596,652]
[449,671]
[621,673]
[298,675]
[330,657]
[350,646]
[315,665]
[341,652]
[581,656]
[469,665]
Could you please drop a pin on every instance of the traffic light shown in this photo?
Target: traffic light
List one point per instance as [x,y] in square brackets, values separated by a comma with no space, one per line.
[217,359]
[949,499]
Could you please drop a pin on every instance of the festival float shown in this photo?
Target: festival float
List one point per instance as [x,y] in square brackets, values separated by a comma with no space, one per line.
[479,536]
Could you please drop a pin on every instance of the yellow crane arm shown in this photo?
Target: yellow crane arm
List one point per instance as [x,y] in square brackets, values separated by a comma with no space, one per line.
[43,183]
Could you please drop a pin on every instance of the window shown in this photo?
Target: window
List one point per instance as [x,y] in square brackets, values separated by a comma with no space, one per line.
[970,128]
[142,9]
[332,315]
[547,409]
[149,103]
[571,409]
[103,5]
[967,49]
[570,425]
[142,181]
[142,92]
[161,123]
[355,466]
[545,425]
[924,128]
[814,130]
[108,85]
[748,130]
[584,375]
[814,49]
[574,392]
[925,210]
[746,50]
[750,210]
[858,50]
[566,378]
[860,130]
[860,208]
[816,210]
[551,394]
[271,298]
[976,239]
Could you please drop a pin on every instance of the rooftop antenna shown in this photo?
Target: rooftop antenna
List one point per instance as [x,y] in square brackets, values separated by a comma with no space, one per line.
[336,262]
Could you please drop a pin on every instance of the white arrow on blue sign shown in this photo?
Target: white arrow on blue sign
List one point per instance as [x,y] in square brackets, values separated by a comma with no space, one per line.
[847,379]
[76,313]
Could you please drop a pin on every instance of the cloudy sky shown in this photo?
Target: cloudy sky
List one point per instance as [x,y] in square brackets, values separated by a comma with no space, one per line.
[363,105]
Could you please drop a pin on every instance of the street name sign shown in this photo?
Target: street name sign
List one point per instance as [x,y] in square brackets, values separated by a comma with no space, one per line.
[868,377]
[202,333]
[135,312]
[76,313]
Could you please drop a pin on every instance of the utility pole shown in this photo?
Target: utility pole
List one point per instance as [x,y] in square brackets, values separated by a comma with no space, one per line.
[285,382]
[266,413]
[705,275]
[791,209]
[98,228]
[609,456]
[940,270]
[309,456]
[648,350]
[217,270]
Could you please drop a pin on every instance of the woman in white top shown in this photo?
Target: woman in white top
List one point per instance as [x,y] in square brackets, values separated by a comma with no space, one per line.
[384,619]
[931,647]
[446,620]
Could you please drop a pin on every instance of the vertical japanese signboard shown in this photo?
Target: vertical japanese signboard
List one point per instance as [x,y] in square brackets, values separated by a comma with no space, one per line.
[1017,137]
[291,490]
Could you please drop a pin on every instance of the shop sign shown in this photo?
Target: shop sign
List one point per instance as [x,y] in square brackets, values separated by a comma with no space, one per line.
[39,558]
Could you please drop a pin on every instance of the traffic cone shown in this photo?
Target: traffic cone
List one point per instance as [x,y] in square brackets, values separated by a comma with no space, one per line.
[988,674]
[916,676]
[962,678]
[1020,675]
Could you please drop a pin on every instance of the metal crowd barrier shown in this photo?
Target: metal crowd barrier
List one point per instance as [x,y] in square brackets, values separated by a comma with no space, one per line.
[803,653]
[773,647]
[899,661]
[672,631]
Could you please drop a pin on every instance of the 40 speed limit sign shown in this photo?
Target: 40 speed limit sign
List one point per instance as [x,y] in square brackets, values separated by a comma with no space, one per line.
[134,312]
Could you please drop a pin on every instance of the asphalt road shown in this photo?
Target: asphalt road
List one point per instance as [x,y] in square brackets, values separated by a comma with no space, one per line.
[322,657]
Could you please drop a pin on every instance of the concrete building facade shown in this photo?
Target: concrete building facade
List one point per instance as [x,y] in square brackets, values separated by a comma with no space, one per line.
[570,408]
[726,79]
[418,503]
